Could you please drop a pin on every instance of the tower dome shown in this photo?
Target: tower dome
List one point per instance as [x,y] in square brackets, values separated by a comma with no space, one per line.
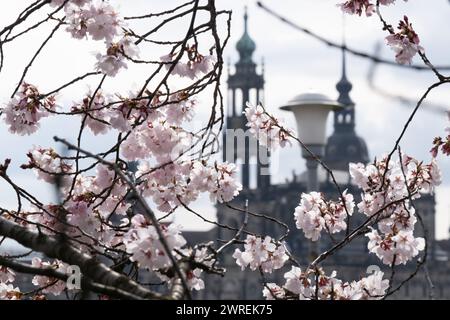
[344,145]
[245,46]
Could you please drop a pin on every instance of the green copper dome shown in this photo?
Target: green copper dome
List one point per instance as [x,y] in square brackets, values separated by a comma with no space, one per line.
[245,46]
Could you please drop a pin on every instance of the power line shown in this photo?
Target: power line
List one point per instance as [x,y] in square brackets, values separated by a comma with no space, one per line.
[343,46]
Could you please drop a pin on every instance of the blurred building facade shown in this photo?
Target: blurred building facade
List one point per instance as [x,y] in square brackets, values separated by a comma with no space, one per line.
[279,201]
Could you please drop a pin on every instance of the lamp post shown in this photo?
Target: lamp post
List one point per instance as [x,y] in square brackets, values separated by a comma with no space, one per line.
[311,112]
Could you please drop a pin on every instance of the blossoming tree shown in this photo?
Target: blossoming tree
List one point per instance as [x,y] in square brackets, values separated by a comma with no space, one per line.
[105,221]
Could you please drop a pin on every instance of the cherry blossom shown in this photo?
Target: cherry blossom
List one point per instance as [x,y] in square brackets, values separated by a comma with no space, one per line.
[50,285]
[183,181]
[386,191]
[9,292]
[363,6]
[226,187]
[26,108]
[58,3]
[95,112]
[196,65]
[182,108]
[442,143]
[156,138]
[315,284]
[47,216]
[142,242]
[97,18]
[268,130]
[6,275]
[373,286]
[77,20]
[261,253]
[194,281]
[47,164]
[105,21]
[82,216]
[273,292]
[358,7]
[405,43]
[314,214]
[401,245]
[129,111]
[116,53]
[105,179]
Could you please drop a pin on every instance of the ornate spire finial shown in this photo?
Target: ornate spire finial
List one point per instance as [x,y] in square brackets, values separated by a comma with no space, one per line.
[246,46]
[245,19]
[344,86]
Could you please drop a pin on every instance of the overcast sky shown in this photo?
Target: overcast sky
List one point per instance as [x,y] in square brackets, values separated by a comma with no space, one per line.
[295,63]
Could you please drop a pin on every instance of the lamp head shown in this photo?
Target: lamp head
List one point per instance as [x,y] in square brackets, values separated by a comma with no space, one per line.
[311,112]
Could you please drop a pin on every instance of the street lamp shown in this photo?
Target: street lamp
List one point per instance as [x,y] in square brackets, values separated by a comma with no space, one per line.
[311,112]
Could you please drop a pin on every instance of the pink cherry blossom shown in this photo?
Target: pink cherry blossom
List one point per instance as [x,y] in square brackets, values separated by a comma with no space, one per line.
[267,129]
[182,108]
[104,23]
[116,54]
[58,3]
[312,285]
[130,110]
[314,214]
[9,292]
[358,7]
[405,43]
[261,253]
[402,245]
[197,65]
[50,285]
[142,242]
[95,112]
[47,164]
[96,18]
[363,6]
[26,108]
[386,191]
[442,143]
[6,275]
[374,286]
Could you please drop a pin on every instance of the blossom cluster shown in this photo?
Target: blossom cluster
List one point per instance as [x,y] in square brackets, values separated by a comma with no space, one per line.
[49,285]
[9,292]
[359,7]
[155,124]
[267,129]
[194,66]
[47,163]
[442,143]
[261,253]
[315,214]
[6,275]
[312,285]
[93,200]
[26,108]
[387,190]
[116,53]
[181,182]
[100,21]
[142,242]
[144,245]
[405,43]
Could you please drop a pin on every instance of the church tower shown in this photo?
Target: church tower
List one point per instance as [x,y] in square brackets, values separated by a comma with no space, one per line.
[245,84]
[344,145]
